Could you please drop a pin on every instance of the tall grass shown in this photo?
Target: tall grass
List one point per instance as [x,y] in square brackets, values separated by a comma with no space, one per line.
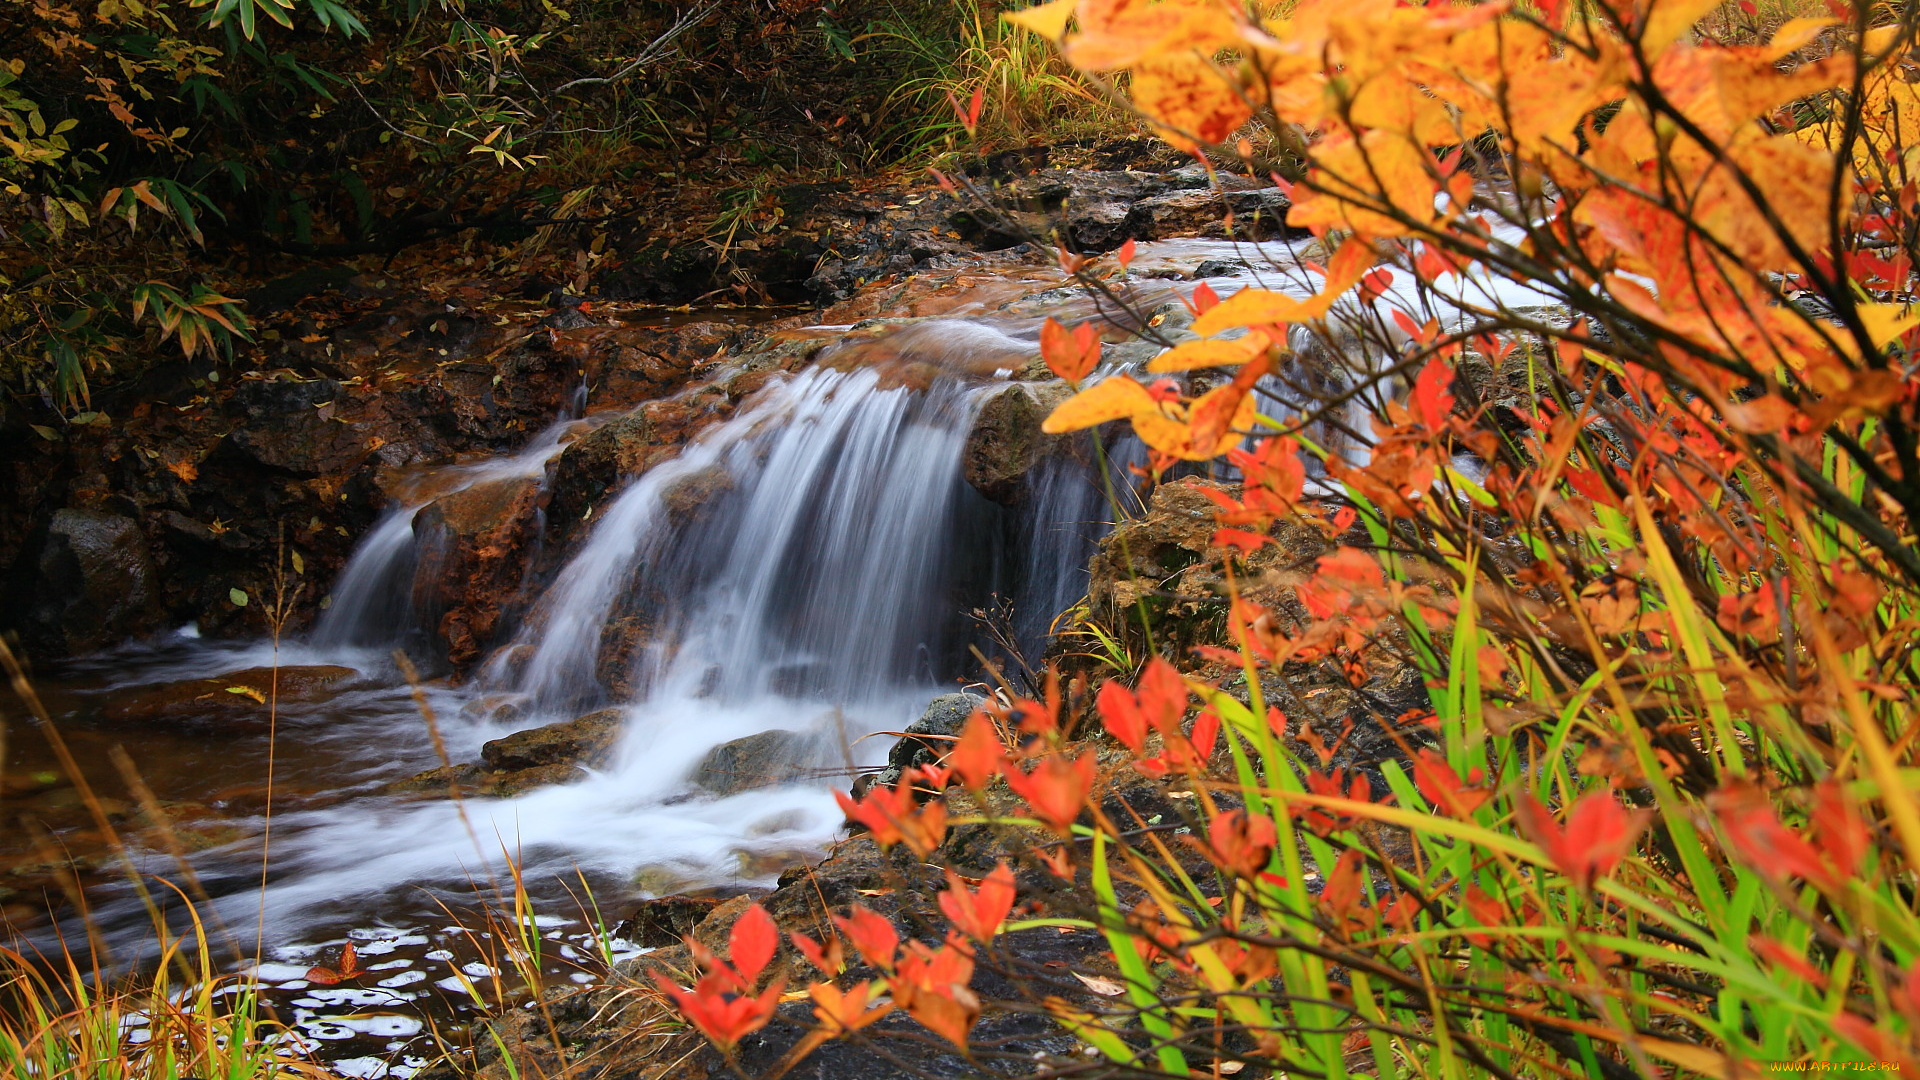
[1030,96]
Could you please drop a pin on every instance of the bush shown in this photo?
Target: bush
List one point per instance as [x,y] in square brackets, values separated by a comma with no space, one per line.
[1621,459]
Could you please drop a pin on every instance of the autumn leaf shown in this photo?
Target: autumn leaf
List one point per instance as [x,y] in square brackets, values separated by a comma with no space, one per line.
[1262,307]
[979,913]
[347,969]
[1598,834]
[1055,789]
[1072,355]
[1114,398]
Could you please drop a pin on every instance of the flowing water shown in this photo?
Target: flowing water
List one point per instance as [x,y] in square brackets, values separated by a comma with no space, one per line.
[802,572]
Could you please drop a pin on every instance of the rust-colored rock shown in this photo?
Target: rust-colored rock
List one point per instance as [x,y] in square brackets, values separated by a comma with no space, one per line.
[474,557]
[236,695]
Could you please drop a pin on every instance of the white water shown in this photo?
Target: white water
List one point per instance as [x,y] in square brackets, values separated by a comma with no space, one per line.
[819,592]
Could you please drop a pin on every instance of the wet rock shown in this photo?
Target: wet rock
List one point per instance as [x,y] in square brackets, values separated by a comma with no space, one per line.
[927,739]
[290,426]
[93,581]
[666,920]
[586,740]
[634,364]
[234,695]
[1006,441]
[1215,268]
[694,491]
[1165,560]
[467,781]
[474,548]
[594,467]
[757,761]
[622,640]
[1257,215]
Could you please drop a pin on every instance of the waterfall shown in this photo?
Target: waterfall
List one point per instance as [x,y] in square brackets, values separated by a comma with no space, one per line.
[802,571]
[372,604]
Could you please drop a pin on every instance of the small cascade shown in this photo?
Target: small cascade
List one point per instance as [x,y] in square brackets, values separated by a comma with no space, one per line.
[824,563]
[800,576]
[373,603]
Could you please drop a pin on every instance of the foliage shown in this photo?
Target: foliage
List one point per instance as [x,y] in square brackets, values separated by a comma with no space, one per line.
[989,82]
[1623,465]
[188,1021]
[197,144]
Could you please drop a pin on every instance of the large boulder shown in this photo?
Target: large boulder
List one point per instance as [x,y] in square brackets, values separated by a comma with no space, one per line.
[474,545]
[1006,441]
[93,582]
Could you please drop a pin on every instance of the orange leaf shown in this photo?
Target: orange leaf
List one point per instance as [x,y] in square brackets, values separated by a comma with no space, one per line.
[1056,789]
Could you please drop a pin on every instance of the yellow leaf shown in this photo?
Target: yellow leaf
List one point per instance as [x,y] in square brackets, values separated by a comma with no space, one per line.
[1113,398]
[1884,322]
[1259,307]
[1210,353]
[1049,20]
[1797,34]
[1188,99]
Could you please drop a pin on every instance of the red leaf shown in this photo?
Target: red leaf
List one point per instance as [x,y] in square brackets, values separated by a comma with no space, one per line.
[1120,713]
[723,1017]
[1598,834]
[1753,832]
[1204,298]
[751,942]
[830,959]
[1241,843]
[979,914]
[1432,393]
[1055,789]
[1125,254]
[1839,828]
[873,937]
[1441,786]
[979,755]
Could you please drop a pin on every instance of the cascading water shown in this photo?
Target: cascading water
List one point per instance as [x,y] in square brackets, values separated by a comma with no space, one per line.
[819,589]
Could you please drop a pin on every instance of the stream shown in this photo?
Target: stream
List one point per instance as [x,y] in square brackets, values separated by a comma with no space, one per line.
[820,591]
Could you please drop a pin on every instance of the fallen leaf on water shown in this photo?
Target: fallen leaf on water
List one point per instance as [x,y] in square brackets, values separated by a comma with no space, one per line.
[348,968]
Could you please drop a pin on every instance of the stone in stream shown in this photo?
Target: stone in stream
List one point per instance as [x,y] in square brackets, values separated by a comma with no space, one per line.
[943,720]
[236,695]
[92,582]
[585,740]
[525,760]
[756,761]
[1006,441]
[474,545]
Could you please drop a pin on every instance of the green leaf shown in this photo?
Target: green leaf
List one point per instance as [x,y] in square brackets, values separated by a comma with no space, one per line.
[238,596]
